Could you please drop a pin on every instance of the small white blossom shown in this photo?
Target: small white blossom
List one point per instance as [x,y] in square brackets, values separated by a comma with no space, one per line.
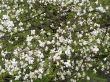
[32,32]
[41,44]
[5,17]
[67,64]
[29,38]
[88,78]
[95,49]
[101,9]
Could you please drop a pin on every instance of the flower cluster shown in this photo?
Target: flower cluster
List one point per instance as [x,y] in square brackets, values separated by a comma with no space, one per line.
[60,40]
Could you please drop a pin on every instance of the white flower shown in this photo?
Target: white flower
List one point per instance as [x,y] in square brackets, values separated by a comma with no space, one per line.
[68,22]
[43,31]
[94,70]
[40,76]
[3,54]
[30,1]
[30,53]
[68,51]
[69,41]
[49,33]
[17,77]
[41,44]
[21,29]
[101,9]
[67,64]
[40,55]
[73,80]
[20,24]
[48,42]
[32,74]
[79,74]
[46,48]
[97,2]
[105,59]
[95,32]
[1,28]
[76,68]
[79,13]
[8,24]
[84,42]
[26,76]
[30,61]
[76,1]
[56,35]
[58,43]
[40,70]
[10,80]
[56,57]
[81,22]
[95,49]
[68,72]
[90,8]
[62,77]
[32,32]
[14,62]
[61,39]
[1,34]
[88,78]
[98,41]
[2,71]
[5,17]
[79,35]
[29,38]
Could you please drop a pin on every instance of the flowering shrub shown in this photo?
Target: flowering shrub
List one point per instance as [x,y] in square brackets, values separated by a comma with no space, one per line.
[54,40]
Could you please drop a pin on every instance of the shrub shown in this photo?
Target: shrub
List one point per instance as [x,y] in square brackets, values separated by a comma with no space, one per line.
[54,41]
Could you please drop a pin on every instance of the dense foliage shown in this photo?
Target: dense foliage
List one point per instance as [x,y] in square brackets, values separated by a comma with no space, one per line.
[43,40]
